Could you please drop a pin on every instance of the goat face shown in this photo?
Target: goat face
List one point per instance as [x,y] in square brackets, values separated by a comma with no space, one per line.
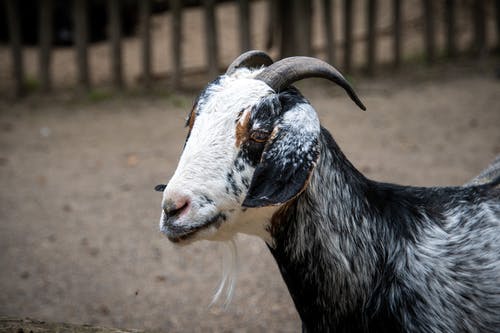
[243,150]
[248,147]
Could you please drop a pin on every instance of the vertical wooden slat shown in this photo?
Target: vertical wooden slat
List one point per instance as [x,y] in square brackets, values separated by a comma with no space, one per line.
[371,49]
[429,33]
[295,19]
[287,30]
[497,17]
[272,30]
[348,24]
[299,27]
[81,42]
[398,32]
[450,20]
[145,21]
[176,9]
[14,26]
[244,16]
[479,27]
[211,38]
[45,43]
[115,35]
[306,7]
[328,19]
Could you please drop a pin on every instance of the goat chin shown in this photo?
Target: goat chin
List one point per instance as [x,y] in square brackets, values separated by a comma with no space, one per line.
[225,291]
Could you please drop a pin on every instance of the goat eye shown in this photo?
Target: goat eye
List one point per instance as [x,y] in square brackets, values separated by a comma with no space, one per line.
[259,136]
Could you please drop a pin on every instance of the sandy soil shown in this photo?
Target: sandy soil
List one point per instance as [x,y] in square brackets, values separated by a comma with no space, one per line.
[78,232]
[78,215]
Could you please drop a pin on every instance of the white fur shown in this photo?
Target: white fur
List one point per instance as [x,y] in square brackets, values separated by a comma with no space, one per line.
[209,154]
[229,274]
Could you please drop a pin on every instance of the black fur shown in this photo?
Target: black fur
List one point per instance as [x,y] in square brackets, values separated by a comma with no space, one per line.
[329,292]
[160,187]
[284,168]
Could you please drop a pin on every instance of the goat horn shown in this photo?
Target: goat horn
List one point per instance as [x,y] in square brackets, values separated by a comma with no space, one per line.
[283,73]
[250,59]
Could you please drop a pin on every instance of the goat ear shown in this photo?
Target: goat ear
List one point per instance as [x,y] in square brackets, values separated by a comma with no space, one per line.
[160,187]
[288,159]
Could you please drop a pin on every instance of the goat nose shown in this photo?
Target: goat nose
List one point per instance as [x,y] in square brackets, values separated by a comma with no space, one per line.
[173,208]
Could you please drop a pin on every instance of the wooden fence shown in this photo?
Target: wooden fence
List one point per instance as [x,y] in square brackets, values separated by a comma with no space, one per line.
[290,22]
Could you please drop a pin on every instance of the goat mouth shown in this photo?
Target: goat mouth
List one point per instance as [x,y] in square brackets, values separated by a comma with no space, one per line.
[177,234]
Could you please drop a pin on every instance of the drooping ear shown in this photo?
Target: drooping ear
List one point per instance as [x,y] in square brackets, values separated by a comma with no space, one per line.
[288,159]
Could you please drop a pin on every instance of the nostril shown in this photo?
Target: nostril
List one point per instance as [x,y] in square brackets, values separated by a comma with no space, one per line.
[176,211]
[173,209]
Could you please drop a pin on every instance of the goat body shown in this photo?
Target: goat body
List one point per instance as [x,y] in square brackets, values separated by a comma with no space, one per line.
[362,256]
[356,255]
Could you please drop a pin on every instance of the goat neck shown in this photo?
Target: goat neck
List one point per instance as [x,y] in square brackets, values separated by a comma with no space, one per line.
[321,247]
[359,255]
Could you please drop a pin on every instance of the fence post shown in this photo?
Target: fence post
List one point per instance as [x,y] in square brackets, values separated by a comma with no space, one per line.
[348,23]
[302,11]
[176,9]
[450,19]
[479,11]
[273,20]
[115,35]
[286,28]
[211,38]
[497,17]
[145,22]
[308,9]
[244,16]
[371,50]
[45,43]
[81,42]
[299,22]
[328,18]
[14,26]
[398,31]
[429,34]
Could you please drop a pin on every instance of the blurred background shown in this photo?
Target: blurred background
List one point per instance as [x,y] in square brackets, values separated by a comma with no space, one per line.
[93,97]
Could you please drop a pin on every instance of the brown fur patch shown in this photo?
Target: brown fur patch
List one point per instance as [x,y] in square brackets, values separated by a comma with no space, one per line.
[242,129]
[192,117]
[270,140]
[308,180]
[190,121]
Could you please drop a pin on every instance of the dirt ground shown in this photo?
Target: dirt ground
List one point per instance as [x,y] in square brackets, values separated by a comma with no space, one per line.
[79,240]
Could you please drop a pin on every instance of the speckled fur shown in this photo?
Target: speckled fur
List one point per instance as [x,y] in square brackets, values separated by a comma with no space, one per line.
[356,255]
[213,172]
[362,256]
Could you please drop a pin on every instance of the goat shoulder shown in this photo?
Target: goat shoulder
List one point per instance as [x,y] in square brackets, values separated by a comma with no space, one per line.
[359,255]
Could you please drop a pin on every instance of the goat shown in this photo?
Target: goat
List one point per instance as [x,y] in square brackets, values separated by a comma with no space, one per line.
[356,255]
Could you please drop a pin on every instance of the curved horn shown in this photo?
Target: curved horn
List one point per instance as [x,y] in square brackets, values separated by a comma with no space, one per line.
[250,59]
[283,73]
